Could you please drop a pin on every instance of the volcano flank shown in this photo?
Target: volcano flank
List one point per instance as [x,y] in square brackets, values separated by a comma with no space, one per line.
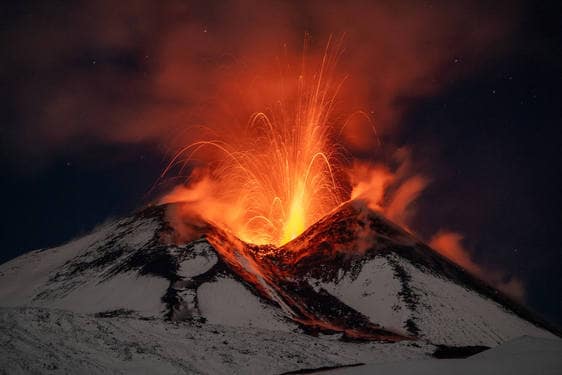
[355,284]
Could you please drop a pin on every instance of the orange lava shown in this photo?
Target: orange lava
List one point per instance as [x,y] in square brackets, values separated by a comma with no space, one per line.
[281,172]
[269,178]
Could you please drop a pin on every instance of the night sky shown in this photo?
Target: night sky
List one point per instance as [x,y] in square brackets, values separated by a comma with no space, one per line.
[488,136]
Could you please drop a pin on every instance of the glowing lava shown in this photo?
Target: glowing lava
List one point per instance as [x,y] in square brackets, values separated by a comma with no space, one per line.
[295,224]
[269,180]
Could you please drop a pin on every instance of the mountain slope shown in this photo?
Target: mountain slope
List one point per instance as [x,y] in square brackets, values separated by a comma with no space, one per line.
[38,340]
[353,276]
[384,272]
[522,356]
[130,266]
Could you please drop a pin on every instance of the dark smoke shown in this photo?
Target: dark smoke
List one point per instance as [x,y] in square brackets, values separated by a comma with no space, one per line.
[145,71]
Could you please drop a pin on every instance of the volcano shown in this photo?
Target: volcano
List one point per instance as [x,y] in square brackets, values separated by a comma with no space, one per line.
[353,288]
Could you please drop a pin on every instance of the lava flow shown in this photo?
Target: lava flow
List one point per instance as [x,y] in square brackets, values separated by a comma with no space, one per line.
[281,172]
[276,274]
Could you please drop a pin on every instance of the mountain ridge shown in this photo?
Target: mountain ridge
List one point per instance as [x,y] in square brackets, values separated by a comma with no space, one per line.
[299,285]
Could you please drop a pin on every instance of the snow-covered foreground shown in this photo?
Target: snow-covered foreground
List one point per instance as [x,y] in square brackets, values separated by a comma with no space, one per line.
[37,340]
[522,356]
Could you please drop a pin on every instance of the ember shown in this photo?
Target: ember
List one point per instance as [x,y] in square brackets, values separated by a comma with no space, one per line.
[283,173]
[287,167]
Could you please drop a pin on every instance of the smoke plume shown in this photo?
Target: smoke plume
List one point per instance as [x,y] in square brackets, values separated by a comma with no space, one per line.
[173,73]
[148,72]
[450,245]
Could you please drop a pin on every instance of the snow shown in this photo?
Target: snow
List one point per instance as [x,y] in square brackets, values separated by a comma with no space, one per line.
[522,356]
[138,233]
[445,312]
[228,302]
[374,293]
[143,295]
[23,277]
[202,258]
[34,340]
[449,314]
[34,279]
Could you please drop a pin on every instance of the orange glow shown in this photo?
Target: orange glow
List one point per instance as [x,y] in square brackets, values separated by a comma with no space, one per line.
[278,174]
[450,245]
[285,168]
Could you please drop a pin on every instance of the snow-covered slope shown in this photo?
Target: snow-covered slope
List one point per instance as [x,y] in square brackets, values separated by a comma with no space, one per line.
[436,309]
[131,266]
[522,356]
[132,296]
[35,340]
[386,274]
[83,276]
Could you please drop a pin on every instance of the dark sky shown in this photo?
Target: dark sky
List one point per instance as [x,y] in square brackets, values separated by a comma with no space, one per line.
[488,137]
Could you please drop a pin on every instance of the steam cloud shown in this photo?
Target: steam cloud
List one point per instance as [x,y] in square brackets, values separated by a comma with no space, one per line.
[450,245]
[149,72]
[141,71]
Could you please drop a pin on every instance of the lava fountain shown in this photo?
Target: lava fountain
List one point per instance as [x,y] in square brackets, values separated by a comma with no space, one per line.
[281,172]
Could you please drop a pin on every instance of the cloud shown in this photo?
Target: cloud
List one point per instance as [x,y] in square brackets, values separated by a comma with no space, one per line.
[142,71]
[393,191]
[449,244]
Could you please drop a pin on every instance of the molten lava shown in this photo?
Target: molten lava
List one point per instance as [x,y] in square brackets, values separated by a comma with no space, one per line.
[278,174]
[267,179]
